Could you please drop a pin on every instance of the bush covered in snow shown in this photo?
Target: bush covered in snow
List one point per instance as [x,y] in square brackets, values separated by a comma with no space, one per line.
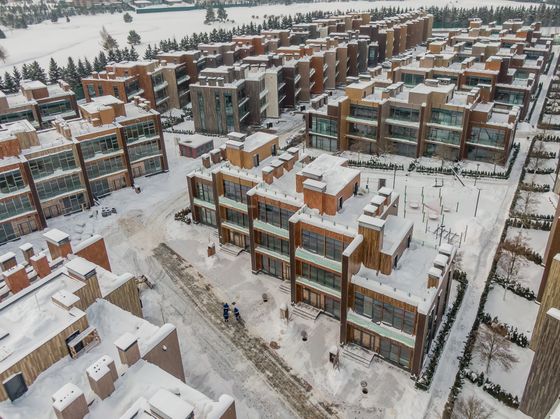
[510,332]
[495,390]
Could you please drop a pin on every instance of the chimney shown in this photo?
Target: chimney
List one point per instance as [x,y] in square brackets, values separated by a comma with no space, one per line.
[58,243]
[70,403]
[215,156]
[66,131]
[95,74]
[27,250]
[94,251]
[278,168]
[206,160]
[65,299]
[40,265]
[434,275]
[102,376]
[16,278]
[267,174]
[129,351]
[7,261]
[96,122]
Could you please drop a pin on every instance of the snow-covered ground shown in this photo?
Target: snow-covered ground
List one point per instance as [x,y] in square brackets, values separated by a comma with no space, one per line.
[536,239]
[80,36]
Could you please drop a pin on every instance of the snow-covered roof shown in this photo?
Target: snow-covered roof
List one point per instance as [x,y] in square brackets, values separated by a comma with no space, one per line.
[256,140]
[82,267]
[55,236]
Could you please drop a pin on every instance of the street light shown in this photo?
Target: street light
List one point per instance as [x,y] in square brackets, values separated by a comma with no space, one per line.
[477,173]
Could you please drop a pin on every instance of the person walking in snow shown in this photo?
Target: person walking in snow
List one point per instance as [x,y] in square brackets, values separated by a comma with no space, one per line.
[226,312]
[236,313]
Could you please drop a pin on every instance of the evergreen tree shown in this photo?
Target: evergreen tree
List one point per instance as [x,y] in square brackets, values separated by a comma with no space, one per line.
[37,72]
[82,72]
[2,87]
[3,54]
[149,53]
[70,74]
[210,16]
[25,72]
[133,54]
[67,19]
[102,60]
[222,14]
[17,76]
[2,34]
[54,16]
[133,38]
[9,84]
[107,41]
[97,64]
[127,17]
[55,73]
[88,66]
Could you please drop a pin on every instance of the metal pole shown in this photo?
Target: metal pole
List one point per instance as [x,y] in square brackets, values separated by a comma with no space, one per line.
[394,176]
[477,199]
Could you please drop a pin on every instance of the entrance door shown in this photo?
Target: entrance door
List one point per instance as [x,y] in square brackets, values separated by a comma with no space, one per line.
[332,307]
[25,227]
[311,298]
[15,386]
[52,211]
[286,271]
[363,339]
[137,171]
[237,239]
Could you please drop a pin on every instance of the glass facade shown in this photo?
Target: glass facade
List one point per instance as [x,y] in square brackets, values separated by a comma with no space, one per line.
[403,133]
[411,80]
[48,165]
[362,130]
[15,206]
[444,136]
[204,192]
[207,216]
[274,243]
[447,117]
[11,181]
[55,108]
[324,143]
[384,312]
[276,216]
[405,114]
[476,80]
[368,113]
[324,126]
[237,218]
[101,145]
[511,97]
[236,191]
[140,131]
[16,116]
[322,245]
[320,276]
[53,187]
[488,136]
[145,149]
[103,167]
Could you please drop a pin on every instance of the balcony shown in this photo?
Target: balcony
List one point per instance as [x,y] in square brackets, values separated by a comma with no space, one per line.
[137,92]
[160,86]
[183,79]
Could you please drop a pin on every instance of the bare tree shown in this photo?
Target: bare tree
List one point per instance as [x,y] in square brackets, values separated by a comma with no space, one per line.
[527,203]
[471,408]
[107,41]
[493,348]
[512,255]
[538,153]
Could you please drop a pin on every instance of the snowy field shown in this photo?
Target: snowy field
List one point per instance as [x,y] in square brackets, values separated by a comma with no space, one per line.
[80,36]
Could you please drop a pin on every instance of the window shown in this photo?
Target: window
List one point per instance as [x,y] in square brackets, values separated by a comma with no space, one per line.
[15,206]
[476,80]
[447,117]
[368,113]
[411,80]
[207,216]
[45,166]
[11,181]
[91,90]
[395,353]
[323,143]
[204,192]
[271,214]
[55,108]
[103,167]
[405,114]
[236,191]
[272,266]
[53,187]
[403,133]
[256,160]
[237,217]
[380,311]
[273,243]
[324,126]
[139,131]
[144,149]
[16,116]
[487,136]
[324,246]
[444,136]
[116,91]
[101,145]
[320,276]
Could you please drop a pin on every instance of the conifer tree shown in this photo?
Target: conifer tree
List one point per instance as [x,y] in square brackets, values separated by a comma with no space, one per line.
[55,73]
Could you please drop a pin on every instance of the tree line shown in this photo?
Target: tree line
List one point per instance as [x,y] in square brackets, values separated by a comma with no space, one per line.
[72,71]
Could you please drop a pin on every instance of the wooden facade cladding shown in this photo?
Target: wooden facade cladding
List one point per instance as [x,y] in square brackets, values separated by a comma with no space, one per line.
[127,297]
[44,356]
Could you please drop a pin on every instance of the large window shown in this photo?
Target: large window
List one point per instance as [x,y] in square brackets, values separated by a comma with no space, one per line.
[322,245]
[405,114]
[324,126]
[320,276]
[403,133]
[411,80]
[386,313]
[45,166]
[11,181]
[55,108]
[204,192]
[103,167]
[447,117]
[101,145]
[235,191]
[444,136]
[274,243]
[237,218]
[510,97]
[324,143]
[54,187]
[142,130]
[145,149]
[395,353]
[476,80]
[16,116]
[274,215]
[15,206]
[362,130]
[207,216]
[488,136]
[364,112]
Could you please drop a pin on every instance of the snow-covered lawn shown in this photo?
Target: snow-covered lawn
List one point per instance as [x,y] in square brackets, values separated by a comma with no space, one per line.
[80,36]
[539,179]
[542,163]
[537,203]
[498,410]
[513,380]
[512,309]
[536,239]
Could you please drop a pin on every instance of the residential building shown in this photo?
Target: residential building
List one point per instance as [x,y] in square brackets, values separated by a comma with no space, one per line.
[38,103]
[64,169]
[552,249]
[543,383]
[430,119]
[165,85]
[342,249]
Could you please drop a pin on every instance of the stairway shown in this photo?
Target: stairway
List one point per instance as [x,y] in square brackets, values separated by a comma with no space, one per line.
[285,287]
[306,311]
[231,249]
[358,354]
